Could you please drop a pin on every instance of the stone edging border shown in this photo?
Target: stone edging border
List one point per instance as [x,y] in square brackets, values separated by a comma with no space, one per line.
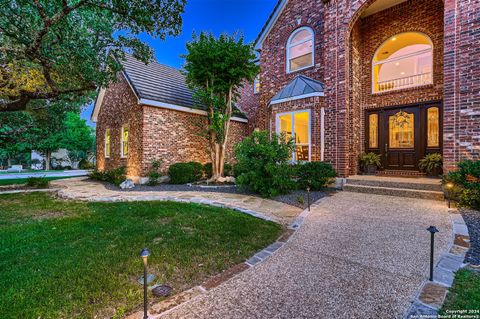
[432,295]
[168,305]
[33,190]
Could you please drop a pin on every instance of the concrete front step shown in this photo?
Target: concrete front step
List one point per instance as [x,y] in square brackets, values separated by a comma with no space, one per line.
[406,183]
[394,191]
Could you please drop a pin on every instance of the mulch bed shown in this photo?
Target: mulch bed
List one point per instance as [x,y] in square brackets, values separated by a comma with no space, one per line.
[472,219]
[296,198]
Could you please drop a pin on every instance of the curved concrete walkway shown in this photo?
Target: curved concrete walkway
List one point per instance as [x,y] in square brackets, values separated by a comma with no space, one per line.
[356,256]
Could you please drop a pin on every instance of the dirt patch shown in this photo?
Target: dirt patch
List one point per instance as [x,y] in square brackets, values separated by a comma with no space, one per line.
[49,215]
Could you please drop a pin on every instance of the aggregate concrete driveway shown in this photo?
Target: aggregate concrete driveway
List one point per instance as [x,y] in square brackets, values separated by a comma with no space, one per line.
[356,256]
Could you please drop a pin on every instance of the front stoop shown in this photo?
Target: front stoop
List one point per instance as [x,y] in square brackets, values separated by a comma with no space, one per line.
[432,295]
[423,188]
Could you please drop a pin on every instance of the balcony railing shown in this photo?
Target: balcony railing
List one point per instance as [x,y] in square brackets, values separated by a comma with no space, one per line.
[404,83]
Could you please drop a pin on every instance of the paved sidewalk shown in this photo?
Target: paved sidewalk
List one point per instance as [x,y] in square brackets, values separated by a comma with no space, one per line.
[87,190]
[71,173]
[356,256]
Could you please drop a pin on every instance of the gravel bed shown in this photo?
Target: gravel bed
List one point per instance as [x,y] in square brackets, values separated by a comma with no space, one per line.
[296,198]
[472,219]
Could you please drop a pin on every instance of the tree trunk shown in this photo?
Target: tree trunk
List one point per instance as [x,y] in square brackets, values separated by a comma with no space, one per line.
[48,155]
[9,162]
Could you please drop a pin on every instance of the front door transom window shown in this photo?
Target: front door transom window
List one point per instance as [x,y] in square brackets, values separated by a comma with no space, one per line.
[296,126]
[403,61]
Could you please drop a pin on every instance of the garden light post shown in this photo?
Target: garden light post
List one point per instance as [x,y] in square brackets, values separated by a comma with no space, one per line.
[144,255]
[449,187]
[432,230]
[308,198]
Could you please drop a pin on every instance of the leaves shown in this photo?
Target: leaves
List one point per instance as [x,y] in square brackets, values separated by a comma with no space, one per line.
[54,50]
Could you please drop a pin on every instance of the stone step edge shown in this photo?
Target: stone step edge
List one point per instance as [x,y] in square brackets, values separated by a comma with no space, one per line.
[351,187]
[442,284]
[404,185]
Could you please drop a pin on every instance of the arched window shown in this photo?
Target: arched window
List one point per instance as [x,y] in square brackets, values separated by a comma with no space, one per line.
[300,50]
[403,61]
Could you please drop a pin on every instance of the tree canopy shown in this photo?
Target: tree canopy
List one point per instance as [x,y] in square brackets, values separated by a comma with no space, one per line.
[64,49]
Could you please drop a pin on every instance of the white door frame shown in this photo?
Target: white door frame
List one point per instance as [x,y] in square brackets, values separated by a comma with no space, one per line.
[292,113]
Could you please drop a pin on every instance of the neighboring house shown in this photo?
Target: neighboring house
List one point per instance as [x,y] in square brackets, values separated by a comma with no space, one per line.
[149,114]
[398,78]
[59,157]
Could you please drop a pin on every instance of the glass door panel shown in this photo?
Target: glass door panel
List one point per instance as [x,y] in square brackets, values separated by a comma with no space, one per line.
[285,125]
[301,130]
[401,130]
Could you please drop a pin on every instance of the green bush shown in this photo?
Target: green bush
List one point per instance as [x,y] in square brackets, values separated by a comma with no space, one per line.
[315,175]
[37,182]
[114,176]
[85,164]
[227,170]
[183,173]
[263,164]
[154,173]
[431,163]
[466,181]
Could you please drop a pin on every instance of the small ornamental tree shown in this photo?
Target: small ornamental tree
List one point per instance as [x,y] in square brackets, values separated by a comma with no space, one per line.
[215,69]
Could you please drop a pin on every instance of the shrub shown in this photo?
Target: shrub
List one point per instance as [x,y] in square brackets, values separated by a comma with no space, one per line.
[263,164]
[369,159]
[466,181]
[85,164]
[154,173]
[37,182]
[315,175]
[227,170]
[114,176]
[431,163]
[182,173]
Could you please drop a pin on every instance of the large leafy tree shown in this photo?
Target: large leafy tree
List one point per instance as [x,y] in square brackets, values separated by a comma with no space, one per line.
[78,138]
[60,49]
[216,68]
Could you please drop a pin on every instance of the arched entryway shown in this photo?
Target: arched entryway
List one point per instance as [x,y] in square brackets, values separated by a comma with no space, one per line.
[394,82]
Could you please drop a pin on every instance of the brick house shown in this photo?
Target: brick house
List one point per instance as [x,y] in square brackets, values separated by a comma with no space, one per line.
[400,78]
[149,114]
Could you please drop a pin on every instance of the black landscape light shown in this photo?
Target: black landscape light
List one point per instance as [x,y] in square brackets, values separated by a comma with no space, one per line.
[449,187]
[308,198]
[145,253]
[432,230]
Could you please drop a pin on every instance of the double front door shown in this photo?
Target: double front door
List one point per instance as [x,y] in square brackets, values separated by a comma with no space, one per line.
[404,135]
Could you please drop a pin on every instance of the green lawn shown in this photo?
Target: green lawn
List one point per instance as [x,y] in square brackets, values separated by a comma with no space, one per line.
[62,259]
[20,181]
[465,294]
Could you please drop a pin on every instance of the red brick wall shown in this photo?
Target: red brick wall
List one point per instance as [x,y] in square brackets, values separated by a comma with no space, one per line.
[462,81]
[120,108]
[173,136]
[249,103]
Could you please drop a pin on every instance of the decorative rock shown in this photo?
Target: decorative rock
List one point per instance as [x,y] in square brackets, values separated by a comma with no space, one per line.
[162,291]
[164,179]
[127,184]
[228,179]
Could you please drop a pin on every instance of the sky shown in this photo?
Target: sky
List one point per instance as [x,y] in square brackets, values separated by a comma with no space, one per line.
[216,16]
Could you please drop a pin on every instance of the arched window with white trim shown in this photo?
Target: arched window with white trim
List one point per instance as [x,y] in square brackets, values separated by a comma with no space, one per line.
[300,50]
[403,61]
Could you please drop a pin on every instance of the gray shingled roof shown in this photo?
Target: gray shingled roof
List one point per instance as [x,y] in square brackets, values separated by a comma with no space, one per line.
[157,82]
[301,85]
[161,83]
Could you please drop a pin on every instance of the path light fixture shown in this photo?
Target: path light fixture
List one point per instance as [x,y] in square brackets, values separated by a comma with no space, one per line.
[449,187]
[432,230]
[308,198]
[144,254]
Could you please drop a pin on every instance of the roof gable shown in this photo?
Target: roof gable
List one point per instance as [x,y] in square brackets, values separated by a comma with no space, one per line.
[272,19]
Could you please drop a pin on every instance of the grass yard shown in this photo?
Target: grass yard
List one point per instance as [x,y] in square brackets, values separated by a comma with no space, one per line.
[20,181]
[62,259]
[465,294]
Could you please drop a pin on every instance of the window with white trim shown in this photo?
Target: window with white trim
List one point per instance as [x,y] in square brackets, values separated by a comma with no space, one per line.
[124,144]
[107,142]
[296,125]
[403,61]
[256,84]
[300,50]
